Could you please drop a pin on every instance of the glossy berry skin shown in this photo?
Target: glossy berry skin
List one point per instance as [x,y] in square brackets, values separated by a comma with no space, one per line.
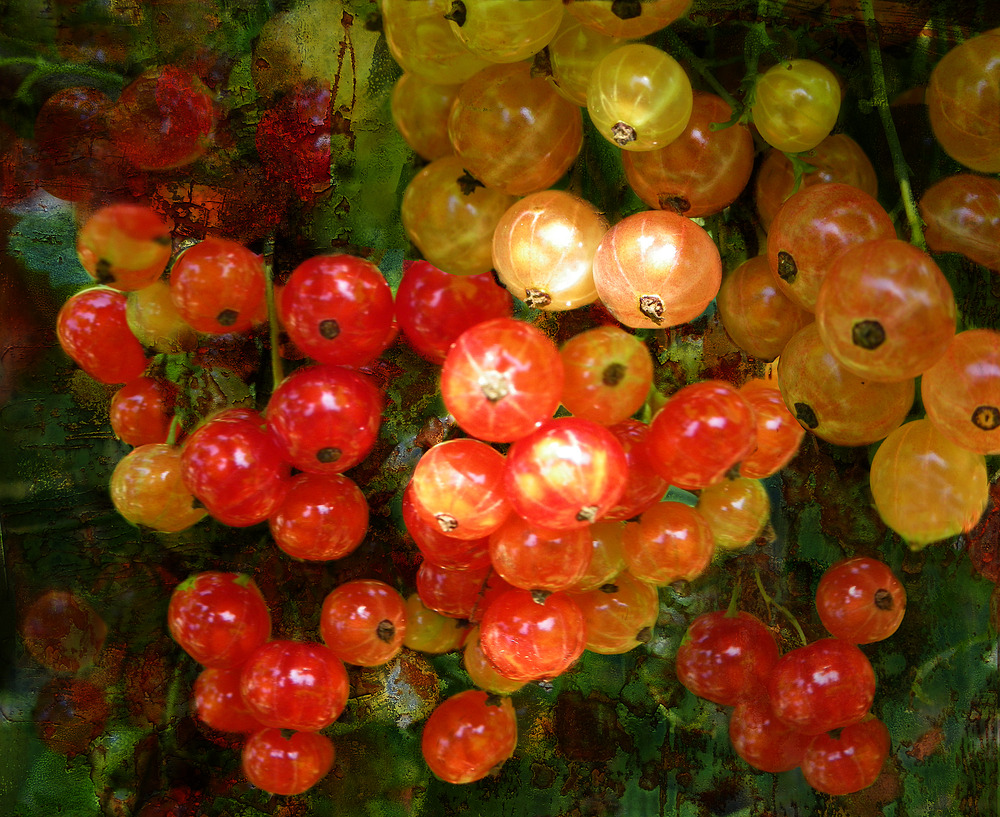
[338,309]
[363,622]
[458,593]
[321,517]
[501,379]
[758,316]
[147,488]
[885,310]
[848,762]
[796,105]
[434,307]
[671,542]
[536,558]
[926,487]
[141,411]
[779,434]
[219,619]
[429,631]
[218,702]
[606,17]
[639,97]
[420,113]
[606,560]
[657,269]
[482,672]
[543,250]
[725,657]
[325,418]
[838,158]
[451,224]
[619,615]
[437,547]
[505,31]
[703,430]
[833,403]
[762,739]
[860,600]
[643,486]
[458,485]
[813,228]
[608,374]
[294,685]
[962,213]
[566,474]
[512,131]
[702,171]
[961,392]
[234,466]
[217,286]
[526,639]
[291,765]
[93,331]
[963,101]
[124,246]
[736,510]
[822,686]
[468,735]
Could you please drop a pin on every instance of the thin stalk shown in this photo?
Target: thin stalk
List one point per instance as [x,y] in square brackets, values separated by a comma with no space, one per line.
[880,100]
[679,47]
[277,368]
[787,613]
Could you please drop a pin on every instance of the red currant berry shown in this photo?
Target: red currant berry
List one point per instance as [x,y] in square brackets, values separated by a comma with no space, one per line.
[822,686]
[468,735]
[321,517]
[93,331]
[528,636]
[338,309]
[363,622]
[325,418]
[294,685]
[860,600]
[724,657]
[219,619]
[847,762]
[286,765]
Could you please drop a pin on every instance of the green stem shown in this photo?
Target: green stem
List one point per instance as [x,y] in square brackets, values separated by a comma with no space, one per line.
[175,426]
[932,663]
[880,100]
[44,68]
[679,47]
[787,613]
[277,369]
[733,610]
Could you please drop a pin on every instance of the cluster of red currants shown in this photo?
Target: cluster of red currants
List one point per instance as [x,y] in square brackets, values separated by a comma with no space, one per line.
[560,544]
[263,687]
[809,708]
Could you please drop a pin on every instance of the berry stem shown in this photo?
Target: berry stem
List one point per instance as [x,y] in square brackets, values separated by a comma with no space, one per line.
[787,613]
[175,425]
[880,100]
[44,68]
[679,47]
[943,657]
[277,370]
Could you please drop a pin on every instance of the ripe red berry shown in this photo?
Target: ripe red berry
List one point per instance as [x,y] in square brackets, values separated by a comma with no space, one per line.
[468,735]
[725,657]
[287,765]
[294,685]
[219,619]
[363,622]
[93,331]
[860,600]
[848,762]
[822,686]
